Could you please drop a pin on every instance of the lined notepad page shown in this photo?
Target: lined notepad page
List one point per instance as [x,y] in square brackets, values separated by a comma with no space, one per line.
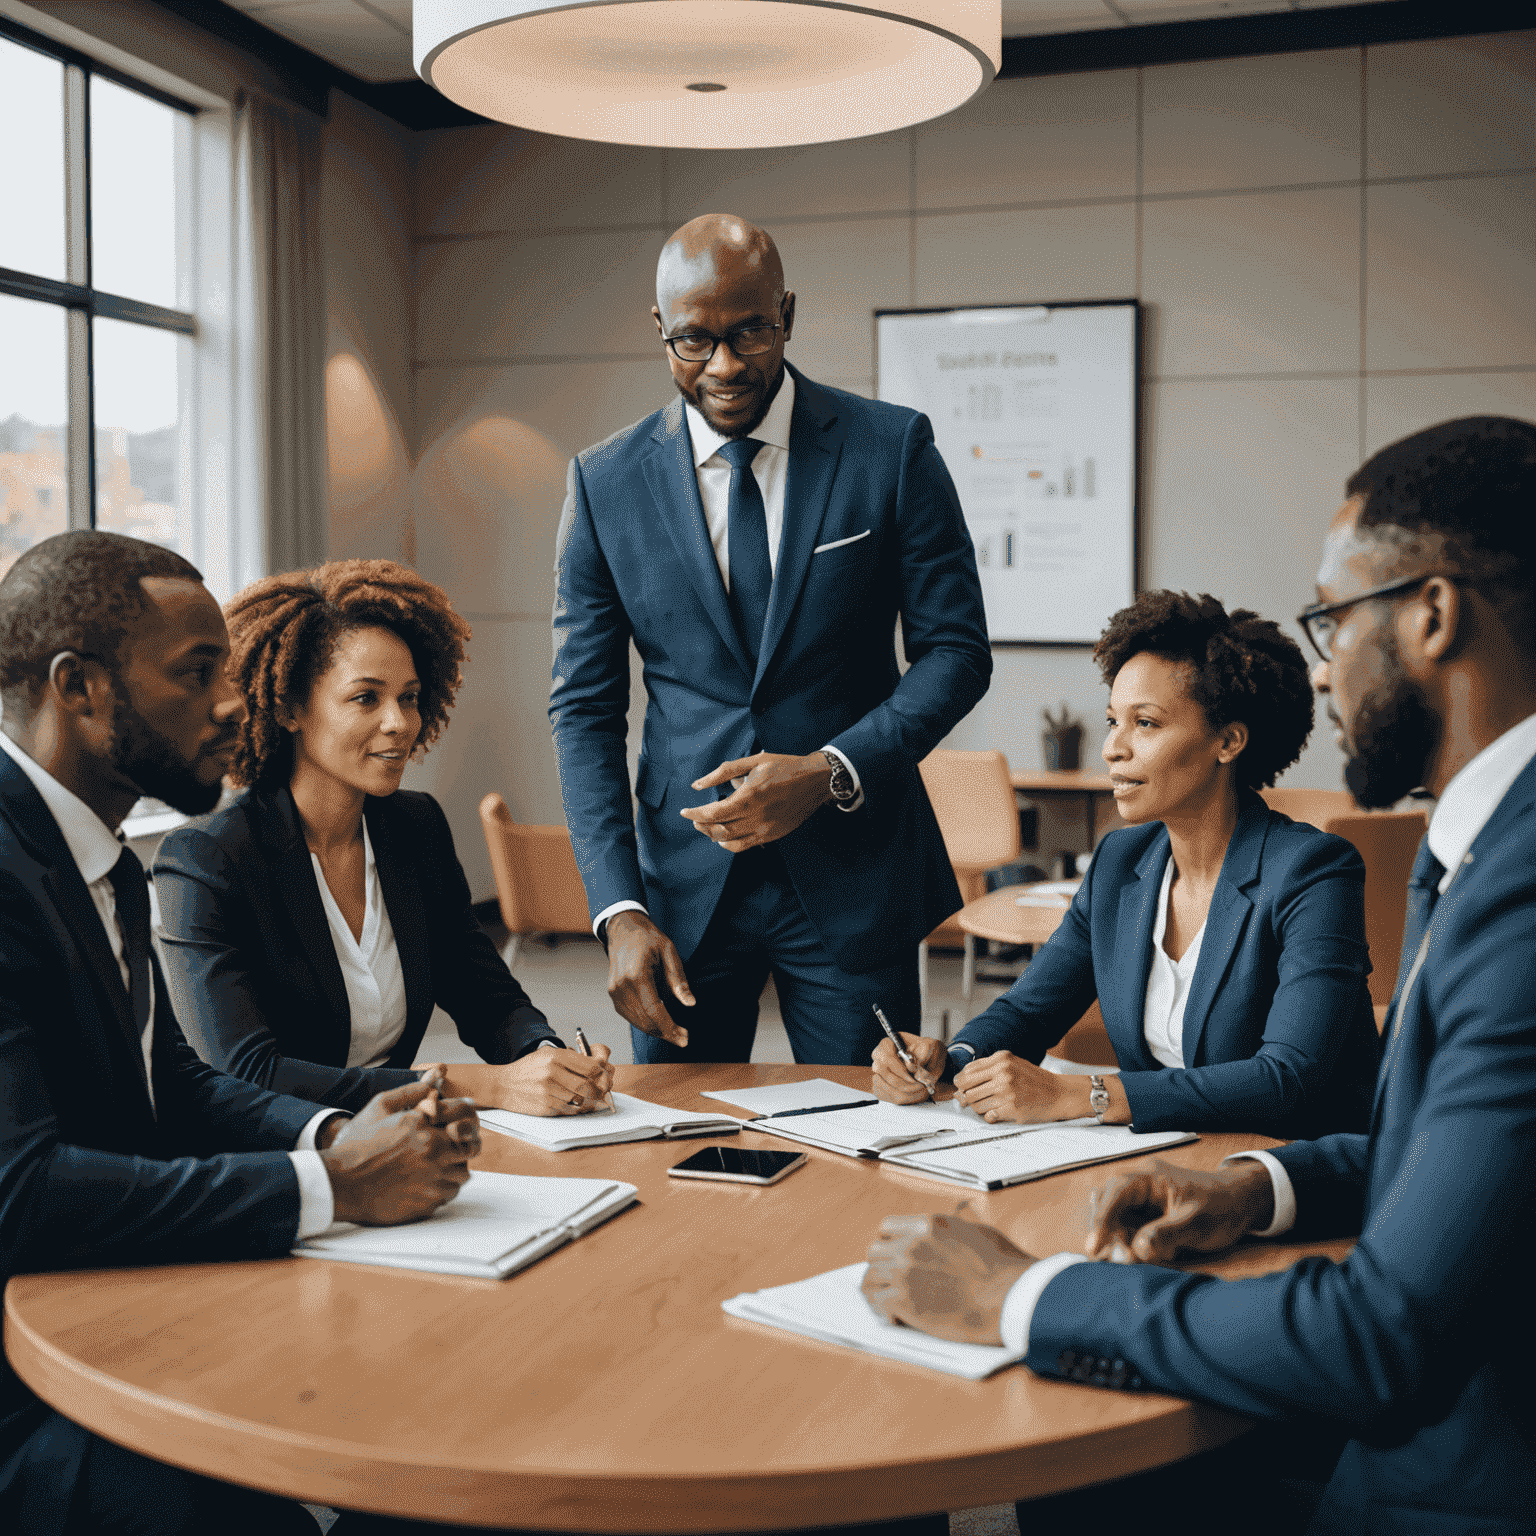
[630,1119]
[1019,1158]
[832,1308]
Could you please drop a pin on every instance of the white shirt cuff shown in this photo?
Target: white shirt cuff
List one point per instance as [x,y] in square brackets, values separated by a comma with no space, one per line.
[317,1206]
[1285,1193]
[607,912]
[858,799]
[1020,1302]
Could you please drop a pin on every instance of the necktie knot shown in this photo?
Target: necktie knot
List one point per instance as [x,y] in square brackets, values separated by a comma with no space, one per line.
[739,452]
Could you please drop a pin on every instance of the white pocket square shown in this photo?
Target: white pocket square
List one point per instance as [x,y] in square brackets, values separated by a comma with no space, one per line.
[852,538]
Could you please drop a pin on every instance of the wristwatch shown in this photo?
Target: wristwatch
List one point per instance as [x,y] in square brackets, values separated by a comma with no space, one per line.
[844,789]
[1098,1096]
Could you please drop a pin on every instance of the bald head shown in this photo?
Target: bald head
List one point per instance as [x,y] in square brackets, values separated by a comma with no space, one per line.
[717,248]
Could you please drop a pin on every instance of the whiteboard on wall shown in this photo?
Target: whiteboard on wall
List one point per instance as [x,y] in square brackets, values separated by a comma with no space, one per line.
[1034,411]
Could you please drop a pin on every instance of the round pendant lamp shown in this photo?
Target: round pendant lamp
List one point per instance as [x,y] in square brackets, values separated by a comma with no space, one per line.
[708,74]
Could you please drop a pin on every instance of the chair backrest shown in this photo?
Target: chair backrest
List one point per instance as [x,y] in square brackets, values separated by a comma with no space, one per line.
[1387,841]
[538,886]
[1314,806]
[972,797]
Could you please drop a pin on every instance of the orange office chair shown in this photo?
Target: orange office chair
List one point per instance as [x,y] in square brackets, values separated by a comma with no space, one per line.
[972,797]
[538,886]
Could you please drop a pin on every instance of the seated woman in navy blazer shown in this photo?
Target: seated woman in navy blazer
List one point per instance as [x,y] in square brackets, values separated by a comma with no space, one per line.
[1224,942]
[310,926]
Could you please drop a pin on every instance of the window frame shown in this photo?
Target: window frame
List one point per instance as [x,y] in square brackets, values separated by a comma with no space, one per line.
[75,294]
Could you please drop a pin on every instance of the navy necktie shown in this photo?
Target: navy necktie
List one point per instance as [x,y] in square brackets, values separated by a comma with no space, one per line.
[1423,893]
[747,544]
[132,893]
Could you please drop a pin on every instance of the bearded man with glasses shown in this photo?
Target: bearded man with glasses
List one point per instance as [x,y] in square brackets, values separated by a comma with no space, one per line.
[757,540]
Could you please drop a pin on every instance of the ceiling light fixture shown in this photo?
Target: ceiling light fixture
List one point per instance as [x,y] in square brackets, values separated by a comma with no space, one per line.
[708,74]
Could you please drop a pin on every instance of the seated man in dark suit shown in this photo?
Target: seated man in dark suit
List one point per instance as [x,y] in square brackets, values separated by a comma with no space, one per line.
[117,1145]
[1418,1350]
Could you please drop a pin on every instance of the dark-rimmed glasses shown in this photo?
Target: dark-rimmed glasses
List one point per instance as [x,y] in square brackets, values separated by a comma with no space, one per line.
[744,341]
[1320,622]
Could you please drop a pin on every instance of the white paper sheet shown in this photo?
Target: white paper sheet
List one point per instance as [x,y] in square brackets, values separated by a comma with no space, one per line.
[630,1120]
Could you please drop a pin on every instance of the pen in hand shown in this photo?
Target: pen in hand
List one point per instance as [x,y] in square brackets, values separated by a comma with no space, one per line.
[906,1060]
[586,1050]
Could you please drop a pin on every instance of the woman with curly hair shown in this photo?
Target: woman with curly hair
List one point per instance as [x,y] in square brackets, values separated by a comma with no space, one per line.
[310,927]
[1224,942]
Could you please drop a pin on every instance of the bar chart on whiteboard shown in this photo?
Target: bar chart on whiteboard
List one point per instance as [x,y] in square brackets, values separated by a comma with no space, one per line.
[1033,411]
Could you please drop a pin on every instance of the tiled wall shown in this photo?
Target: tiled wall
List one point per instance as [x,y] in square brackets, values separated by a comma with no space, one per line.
[1334,248]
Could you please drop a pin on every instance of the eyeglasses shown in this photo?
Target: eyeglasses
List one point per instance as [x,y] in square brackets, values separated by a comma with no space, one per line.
[1321,620]
[744,341]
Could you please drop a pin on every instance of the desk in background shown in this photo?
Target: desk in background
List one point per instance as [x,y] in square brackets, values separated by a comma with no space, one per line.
[603,1389]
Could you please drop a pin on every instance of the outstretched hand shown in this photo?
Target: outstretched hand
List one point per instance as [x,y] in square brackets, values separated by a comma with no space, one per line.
[777,793]
[1156,1216]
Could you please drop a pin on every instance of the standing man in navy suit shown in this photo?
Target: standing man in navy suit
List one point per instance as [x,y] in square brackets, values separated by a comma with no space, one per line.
[757,540]
[1419,1348]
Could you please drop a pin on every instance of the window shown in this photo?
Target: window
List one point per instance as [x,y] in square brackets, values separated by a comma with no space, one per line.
[96,322]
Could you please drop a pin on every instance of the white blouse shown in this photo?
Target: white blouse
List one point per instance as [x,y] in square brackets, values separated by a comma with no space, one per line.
[1168,981]
[370,967]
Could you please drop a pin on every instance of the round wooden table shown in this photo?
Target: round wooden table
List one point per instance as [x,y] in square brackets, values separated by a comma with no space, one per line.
[998,915]
[603,1389]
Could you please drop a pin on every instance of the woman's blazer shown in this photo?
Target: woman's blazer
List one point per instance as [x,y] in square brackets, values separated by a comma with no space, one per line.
[251,964]
[1279,1034]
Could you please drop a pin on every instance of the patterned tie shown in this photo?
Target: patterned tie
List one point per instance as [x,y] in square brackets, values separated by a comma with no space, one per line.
[132,893]
[747,544]
[1423,893]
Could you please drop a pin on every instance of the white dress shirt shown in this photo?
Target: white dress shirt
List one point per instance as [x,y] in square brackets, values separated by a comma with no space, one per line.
[96,850]
[1168,981]
[370,967]
[770,468]
[1461,813]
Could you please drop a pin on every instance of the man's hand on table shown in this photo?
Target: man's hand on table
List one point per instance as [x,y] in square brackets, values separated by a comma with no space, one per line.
[548,1081]
[639,952]
[943,1275]
[1153,1217]
[778,792]
[403,1155]
[892,1081]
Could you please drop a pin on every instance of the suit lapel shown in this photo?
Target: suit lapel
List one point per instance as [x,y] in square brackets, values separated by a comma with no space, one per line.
[1225,922]
[815,444]
[674,488]
[296,888]
[407,912]
[1133,951]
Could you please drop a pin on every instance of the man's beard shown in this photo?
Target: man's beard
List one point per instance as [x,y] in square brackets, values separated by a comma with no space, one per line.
[152,764]
[1393,737]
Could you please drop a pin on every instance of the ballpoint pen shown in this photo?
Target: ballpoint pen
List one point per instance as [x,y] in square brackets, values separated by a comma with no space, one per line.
[586,1050]
[906,1060]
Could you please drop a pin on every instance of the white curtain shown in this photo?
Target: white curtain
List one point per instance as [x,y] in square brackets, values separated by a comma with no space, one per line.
[278,153]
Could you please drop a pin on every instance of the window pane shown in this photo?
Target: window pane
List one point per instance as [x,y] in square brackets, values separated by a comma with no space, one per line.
[133,194]
[31,179]
[136,373]
[34,487]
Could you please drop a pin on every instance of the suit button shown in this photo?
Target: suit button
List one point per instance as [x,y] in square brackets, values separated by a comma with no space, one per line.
[1117,1374]
[1083,1369]
[1065,1361]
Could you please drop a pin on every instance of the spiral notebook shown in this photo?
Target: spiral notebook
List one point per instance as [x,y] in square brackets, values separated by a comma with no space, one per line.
[1018,1159]
[498,1224]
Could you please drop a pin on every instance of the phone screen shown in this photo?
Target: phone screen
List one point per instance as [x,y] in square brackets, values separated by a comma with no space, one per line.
[737,1162]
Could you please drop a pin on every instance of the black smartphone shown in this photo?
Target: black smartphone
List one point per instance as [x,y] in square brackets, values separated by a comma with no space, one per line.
[738,1165]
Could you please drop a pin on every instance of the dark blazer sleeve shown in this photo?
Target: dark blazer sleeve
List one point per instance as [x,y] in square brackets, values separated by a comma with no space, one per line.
[1439,1281]
[221,983]
[63,1204]
[1317,1017]
[471,982]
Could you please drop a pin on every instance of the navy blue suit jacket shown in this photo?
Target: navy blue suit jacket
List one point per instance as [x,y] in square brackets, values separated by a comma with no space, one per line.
[89,1173]
[252,966]
[1279,1034]
[1421,1345]
[872,530]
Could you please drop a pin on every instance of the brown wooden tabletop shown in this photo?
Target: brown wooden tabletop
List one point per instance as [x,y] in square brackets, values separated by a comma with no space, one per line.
[998,915]
[603,1389]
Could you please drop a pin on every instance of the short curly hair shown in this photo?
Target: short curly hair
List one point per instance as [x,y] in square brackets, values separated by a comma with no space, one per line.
[1240,667]
[283,632]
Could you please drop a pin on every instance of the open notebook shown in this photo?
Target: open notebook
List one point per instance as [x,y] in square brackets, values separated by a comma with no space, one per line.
[629,1120]
[1017,1159]
[498,1224]
[832,1308]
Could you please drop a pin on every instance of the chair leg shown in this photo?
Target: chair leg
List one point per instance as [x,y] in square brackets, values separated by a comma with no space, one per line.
[922,982]
[968,974]
[511,949]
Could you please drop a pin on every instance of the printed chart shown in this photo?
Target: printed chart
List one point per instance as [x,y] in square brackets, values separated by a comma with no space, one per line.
[1034,412]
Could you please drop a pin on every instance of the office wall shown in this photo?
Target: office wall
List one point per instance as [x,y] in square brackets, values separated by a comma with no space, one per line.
[1334,248]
